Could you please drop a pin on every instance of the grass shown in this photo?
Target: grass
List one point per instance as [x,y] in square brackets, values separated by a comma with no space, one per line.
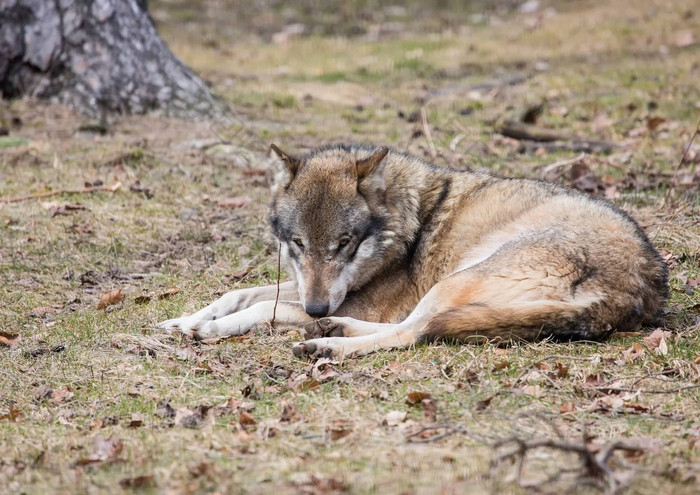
[79,375]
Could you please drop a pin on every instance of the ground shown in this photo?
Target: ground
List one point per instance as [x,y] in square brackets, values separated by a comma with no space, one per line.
[94,399]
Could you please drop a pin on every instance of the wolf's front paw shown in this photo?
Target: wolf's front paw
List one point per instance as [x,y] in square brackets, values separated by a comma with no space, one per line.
[330,327]
[185,325]
[318,348]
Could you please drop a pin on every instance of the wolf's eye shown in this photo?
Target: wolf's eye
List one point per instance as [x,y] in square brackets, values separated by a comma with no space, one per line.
[344,241]
[298,242]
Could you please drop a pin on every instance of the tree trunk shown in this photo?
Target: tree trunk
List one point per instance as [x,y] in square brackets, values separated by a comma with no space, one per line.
[98,56]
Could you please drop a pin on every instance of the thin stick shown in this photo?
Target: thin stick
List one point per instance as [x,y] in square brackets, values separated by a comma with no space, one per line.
[680,164]
[279,268]
[85,190]
[608,390]
[426,131]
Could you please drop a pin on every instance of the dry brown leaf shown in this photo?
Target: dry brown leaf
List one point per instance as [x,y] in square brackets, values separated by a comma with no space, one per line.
[13,414]
[104,450]
[246,420]
[61,395]
[429,410]
[110,298]
[236,202]
[567,407]
[323,370]
[394,418]
[289,414]
[483,404]
[164,409]
[533,390]
[136,420]
[42,311]
[634,352]
[415,398]
[501,365]
[8,339]
[199,418]
[654,122]
[339,428]
[143,481]
[656,340]
[560,371]
[637,407]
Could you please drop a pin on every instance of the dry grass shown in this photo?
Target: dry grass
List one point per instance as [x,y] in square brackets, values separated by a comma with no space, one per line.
[79,375]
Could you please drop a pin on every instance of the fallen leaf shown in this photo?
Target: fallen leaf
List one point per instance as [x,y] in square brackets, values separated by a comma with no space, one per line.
[143,481]
[104,450]
[199,418]
[429,410]
[137,187]
[656,340]
[394,418]
[567,407]
[483,404]
[61,395]
[8,339]
[289,414]
[56,208]
[415,398]
[339,428]
[42,311]
[654,122]
[501,365]
[236,202]
[164,409]
[684,38]
[13,415]
[323,370]
[232,406]
[110,298]
[560,371]
[246,420]
[532,390]
[634,352]
[637,406]
[136,420]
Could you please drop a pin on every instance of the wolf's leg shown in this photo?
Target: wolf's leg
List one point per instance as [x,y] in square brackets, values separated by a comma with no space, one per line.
[287,313]
[230,303]
[343,326]
[526,304]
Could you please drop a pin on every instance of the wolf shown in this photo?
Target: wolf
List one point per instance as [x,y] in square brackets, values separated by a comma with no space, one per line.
[386,250]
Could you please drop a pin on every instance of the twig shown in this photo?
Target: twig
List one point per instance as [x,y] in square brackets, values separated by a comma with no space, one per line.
[426,131]
[279,269]
[608,390]
[84,190]
[680,164]
[450,430]
[594,461]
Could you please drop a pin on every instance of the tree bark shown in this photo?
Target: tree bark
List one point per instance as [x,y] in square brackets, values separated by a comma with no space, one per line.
[98,56]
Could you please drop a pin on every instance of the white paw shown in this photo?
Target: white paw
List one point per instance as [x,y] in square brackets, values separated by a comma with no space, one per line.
[186,325]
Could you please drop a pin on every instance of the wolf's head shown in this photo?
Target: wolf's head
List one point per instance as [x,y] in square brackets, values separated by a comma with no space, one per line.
[330,213]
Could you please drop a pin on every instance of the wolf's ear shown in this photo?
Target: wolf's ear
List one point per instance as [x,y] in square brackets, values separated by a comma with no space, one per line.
[292,163]
[365,166]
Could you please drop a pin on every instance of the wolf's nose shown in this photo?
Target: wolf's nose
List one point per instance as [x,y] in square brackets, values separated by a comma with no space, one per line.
[317,309]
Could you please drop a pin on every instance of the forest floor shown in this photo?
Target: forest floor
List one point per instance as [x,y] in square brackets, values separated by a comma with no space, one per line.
[95,399]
